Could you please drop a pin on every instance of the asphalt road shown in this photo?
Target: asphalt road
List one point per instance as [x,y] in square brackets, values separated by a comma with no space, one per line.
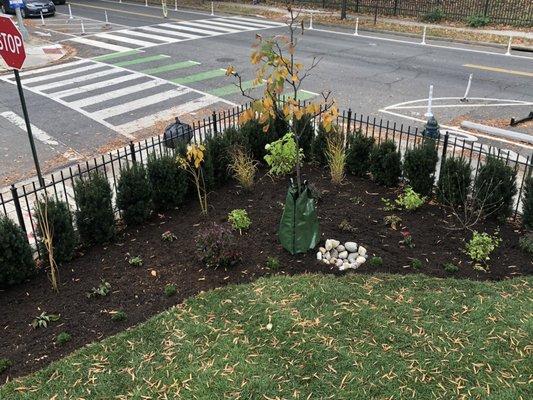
[100,100]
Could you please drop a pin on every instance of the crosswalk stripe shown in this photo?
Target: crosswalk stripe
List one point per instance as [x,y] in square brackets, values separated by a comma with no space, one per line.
[52,68]
[202,76]
[154,37]
[177,111]
[58,84]
[169,32]
[118,38]
[97,85]
[206,24]
[141,60]
[231,25]
[114,94]
[231,89]
[170,67]
[266,22]
[36,132]
[243,23]
[112,56]
[62,74]
[191,29]
[98,43]
[140,103]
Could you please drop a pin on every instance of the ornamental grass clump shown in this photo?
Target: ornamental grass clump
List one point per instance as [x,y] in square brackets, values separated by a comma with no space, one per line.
[243,167]
[134,195]
[216,246]
[192,163]
[16,259]
[336,156]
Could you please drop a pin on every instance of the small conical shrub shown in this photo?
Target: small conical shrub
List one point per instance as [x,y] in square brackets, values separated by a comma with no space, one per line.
[386,164]
[94,218]
[64,237]
[16,259]
[528,203]
[134,195]
[358,154]
[419,167]
[169,183]
[454,182]
[319,145]
[494,188]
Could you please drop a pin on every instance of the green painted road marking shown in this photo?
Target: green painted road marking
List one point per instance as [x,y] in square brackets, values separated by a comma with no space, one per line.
[202,76]
[230,89]
[170,67]
[112,56]
[302,95]
[141,60]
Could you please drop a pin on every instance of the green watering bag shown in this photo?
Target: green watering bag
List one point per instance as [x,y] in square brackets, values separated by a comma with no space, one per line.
[298,229]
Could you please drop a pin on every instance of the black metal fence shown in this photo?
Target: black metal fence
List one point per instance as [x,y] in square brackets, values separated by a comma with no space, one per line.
[18,201]
[513,12]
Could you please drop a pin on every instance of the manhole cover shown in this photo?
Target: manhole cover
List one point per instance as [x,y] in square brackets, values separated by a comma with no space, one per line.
[225,59]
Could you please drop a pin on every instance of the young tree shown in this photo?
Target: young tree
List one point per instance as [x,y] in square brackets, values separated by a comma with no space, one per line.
[279,70]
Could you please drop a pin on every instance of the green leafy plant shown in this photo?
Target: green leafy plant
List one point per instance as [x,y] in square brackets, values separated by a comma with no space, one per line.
[16,259]
[63,338]
[410,200]
[526,243]
[273,263]
[283,155]
[451,268]
[101,291]
[118,316]
[388,205]
[358,154]
[168,182]
[419,167]
[345,226]
[527,208]
[494,188]
[134,195]
[416,264]
[356,200]
[43,320]
[407,238]
[243,167]
[481,245]
[386,164]
[168,236]
[94,218]
[375,262]
[5,364]
[454,182]
[216,246]
[239,219]
[477,20]
[170,290]
[435,15]
[136,261]
[393,221]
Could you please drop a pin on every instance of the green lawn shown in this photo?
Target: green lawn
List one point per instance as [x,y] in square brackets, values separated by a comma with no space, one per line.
[314,337]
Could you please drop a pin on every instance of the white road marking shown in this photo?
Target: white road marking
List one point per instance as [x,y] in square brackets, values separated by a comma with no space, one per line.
[262,21]
[191,29]
[96,85]
[246,24]
[52,68]
[169,32]
[100,44]
[154,37]
[70,81]
[231,25]
[118,38]
[37,133]
[62,74]
[140,103]
[185,108]
[114,94]
[209,24]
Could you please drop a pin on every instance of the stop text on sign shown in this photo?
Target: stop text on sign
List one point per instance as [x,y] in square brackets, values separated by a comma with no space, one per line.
[10,43]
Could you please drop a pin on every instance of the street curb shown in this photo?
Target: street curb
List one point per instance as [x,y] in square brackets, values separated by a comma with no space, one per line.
[506,134]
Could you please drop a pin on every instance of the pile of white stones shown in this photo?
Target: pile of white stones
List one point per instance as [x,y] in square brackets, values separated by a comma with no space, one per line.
[345,256]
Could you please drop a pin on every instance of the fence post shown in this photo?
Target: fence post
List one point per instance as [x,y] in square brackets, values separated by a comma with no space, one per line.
[349,121]
[443,154]
[215,127]
[486,9]
[16,202]
[395,7]
[132,151]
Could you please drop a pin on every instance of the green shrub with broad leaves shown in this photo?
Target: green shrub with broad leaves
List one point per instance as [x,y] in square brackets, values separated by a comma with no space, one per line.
[385,163]
[481,245]
[94,218]
[494,188]
[64,238]
[477,21]
[454,182]
[282,155]
[358,154]
[169,183]
[16,258]
[134,194]
[239,219]
[419,167]
[410,200]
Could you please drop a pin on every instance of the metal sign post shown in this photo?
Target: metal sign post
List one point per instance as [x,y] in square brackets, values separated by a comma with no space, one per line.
[17,5]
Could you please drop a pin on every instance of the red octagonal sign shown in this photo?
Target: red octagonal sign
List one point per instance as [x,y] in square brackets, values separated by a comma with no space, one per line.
[11,44]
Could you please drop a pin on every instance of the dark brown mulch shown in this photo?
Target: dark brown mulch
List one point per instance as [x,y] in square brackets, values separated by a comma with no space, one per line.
[139,290]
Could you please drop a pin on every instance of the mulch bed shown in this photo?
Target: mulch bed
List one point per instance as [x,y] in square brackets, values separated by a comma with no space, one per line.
[139,290]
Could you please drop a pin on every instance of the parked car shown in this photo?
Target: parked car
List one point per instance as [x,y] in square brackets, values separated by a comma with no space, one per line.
[31,8]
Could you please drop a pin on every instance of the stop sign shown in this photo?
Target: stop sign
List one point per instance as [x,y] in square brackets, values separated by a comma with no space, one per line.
[11,44]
